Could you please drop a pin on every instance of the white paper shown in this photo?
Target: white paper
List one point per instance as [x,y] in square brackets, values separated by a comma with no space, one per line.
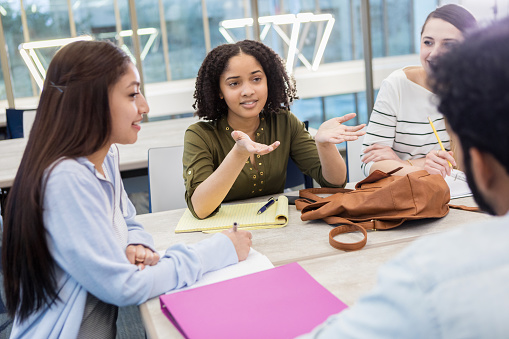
[458,185]
[255,262]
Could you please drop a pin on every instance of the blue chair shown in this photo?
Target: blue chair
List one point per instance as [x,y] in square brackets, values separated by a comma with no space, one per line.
[15,122]
[294,176]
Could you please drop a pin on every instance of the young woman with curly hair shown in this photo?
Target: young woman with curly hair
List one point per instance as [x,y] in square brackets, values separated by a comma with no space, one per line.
[242,151]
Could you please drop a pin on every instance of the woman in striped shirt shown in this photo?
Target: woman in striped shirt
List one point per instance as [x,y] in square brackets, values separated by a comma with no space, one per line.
[399,133]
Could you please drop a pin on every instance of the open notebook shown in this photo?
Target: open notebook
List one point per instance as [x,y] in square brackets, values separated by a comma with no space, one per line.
[458,185]
[255,262]
[245,215]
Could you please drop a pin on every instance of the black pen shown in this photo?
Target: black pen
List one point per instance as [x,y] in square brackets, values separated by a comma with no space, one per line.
[267,205]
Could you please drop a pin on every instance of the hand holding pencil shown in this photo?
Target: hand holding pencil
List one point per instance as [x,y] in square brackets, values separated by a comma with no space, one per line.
[439,161]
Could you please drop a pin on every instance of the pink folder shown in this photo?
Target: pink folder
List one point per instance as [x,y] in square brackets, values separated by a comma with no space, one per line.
[281,302]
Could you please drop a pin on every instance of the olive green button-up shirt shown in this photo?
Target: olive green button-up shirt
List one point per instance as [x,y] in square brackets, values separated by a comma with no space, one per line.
[206,144]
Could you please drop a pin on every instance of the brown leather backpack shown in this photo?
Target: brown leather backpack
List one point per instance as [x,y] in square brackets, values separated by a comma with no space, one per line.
[379,202]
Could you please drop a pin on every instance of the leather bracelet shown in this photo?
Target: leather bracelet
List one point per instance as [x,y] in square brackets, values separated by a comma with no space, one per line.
[347,229]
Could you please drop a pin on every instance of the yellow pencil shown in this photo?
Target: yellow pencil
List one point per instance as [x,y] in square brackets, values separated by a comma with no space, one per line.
[439,141]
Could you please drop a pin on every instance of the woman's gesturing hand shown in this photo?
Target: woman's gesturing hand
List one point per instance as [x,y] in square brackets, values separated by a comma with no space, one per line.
[333,131]
[245,144]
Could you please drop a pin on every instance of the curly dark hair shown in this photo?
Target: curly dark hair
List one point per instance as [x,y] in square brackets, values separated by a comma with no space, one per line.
[471,84]
[281,86]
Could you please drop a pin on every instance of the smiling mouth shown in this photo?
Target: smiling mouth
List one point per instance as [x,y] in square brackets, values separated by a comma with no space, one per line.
[249,102]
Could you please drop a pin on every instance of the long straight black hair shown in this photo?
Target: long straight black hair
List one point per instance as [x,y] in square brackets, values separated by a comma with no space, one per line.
[72,120]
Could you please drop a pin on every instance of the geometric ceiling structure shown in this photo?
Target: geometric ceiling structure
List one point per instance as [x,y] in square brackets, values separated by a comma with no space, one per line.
[296,39]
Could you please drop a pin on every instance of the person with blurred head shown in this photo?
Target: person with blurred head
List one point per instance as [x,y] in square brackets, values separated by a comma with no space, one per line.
[242,151]
[453,285]
[399,133]
[72,250]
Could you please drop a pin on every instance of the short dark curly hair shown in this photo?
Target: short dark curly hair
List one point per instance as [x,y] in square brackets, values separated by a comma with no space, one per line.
[281,86]
[471,84]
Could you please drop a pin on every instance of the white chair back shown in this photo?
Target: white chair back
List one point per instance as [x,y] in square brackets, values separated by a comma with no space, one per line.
[165,178]
[353,160]
[28,121]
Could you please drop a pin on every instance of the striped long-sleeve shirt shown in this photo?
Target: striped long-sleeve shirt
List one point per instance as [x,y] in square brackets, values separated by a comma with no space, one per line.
[400,119]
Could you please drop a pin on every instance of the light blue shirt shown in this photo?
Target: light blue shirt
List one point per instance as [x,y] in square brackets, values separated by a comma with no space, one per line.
[78,217]
[452,285]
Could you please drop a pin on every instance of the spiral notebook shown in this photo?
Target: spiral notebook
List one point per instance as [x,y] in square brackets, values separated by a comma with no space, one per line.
[245,215]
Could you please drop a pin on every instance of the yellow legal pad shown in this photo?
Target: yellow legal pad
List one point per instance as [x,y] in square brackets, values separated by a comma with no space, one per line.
[245,215]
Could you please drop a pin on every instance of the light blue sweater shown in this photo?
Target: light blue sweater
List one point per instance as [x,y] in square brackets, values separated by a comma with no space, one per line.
[78,216]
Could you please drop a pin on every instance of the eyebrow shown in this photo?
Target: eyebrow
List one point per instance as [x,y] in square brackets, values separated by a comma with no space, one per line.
[236,77]
[137,83]
[431,38]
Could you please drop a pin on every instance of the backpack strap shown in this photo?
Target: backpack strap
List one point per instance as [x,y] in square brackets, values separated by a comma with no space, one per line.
[350,227]
[466,208]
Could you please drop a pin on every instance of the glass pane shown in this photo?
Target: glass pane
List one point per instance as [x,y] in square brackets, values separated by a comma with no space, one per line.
[95,18]
[309,109]
[11,20]
[340,45]
[339,105]
[377,28]
[219,10]
[400,28]
[151,46]
[186,42]
[357,30]
[47,19]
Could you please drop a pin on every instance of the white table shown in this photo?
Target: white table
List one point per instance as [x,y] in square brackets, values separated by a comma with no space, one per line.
[347,275]
[152,134]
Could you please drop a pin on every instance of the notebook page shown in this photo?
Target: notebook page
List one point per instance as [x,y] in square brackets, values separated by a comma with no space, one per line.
[245,215]
[255,262]
[458,185]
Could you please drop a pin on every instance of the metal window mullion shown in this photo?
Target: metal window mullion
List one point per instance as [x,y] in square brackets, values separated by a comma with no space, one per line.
[26,38]
[368,54]
[4,61]
[164,38]
[412,26]
[249,33]
[385,28]
[72,24]
[352,27]
[206,27]
[255,15]
[136,46]
[118,23]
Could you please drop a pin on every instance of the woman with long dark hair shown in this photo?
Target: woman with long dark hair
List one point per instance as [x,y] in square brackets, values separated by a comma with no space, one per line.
[72,250]
[398,133]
